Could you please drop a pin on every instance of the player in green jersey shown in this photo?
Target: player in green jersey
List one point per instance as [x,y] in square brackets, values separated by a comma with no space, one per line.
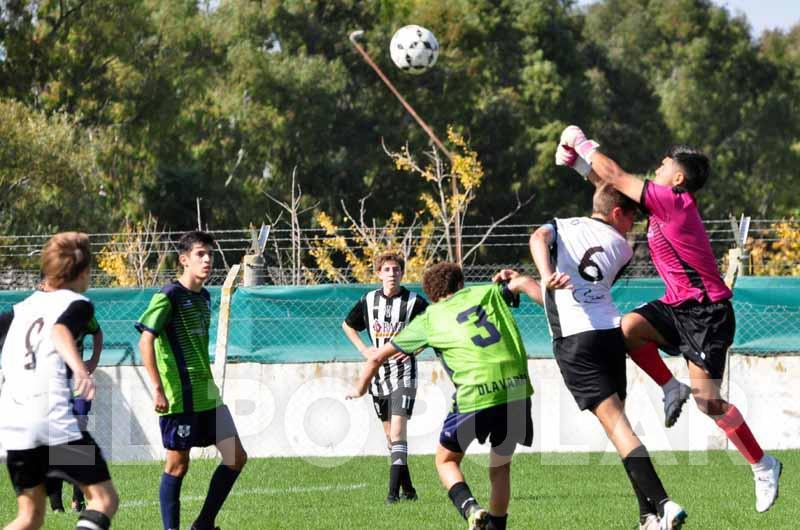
[174,347]
[476,338]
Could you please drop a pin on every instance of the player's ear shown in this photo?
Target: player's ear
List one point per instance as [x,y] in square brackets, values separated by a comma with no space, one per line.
[678,179]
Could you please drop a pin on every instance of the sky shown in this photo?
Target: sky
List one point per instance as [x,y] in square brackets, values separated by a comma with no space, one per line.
[762,14]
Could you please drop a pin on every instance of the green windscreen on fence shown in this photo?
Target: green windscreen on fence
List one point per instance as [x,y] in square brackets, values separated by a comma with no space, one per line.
[303,324]
[117,310]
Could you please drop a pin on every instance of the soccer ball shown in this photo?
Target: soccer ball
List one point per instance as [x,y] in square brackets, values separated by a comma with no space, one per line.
[414,49]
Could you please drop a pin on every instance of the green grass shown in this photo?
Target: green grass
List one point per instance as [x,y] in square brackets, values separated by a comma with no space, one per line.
[550,491]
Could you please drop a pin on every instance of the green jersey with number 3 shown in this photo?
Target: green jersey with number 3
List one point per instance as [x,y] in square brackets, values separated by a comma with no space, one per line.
[476,337]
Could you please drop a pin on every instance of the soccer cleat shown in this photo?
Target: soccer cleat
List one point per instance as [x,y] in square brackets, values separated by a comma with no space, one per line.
[409,495]
[673,518]
[392,499]
[767,483]
[674,399]
[195,527]
[650,522]
[478,518]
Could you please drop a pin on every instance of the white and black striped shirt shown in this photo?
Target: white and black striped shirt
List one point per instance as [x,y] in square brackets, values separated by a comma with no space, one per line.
[385,317]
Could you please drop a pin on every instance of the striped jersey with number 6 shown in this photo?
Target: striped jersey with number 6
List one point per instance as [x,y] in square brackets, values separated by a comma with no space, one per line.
[593,254]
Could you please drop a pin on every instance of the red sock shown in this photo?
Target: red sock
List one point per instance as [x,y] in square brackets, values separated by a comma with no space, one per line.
[648,359]
[739,434]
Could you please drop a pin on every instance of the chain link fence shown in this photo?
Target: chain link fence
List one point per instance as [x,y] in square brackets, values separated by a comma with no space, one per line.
[506,246]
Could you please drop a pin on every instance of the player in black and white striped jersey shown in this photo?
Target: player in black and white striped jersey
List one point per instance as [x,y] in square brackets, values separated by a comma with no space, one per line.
[385,312]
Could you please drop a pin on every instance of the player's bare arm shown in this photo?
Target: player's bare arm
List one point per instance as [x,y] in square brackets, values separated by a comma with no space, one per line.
[575,150]
[607,170]
[147,349]
[355,338]
[518,283]
[97,348]
[375,359]
[64,342]
[540,243]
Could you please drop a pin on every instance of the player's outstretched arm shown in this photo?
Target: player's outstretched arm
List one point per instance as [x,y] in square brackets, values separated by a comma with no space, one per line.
[603,168]
[540,243]
[147,349]
[64,342]
[375,359]
[518,283]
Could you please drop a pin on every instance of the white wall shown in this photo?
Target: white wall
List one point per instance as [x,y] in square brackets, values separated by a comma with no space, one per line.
[299,410]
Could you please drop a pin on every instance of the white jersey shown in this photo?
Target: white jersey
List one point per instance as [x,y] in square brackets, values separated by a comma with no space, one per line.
[35,407]
[593,254]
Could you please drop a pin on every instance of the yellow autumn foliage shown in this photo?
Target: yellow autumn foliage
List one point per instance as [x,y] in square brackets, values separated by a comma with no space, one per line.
[780,257]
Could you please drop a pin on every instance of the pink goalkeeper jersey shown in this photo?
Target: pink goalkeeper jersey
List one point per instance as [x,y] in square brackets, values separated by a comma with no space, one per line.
[680,247]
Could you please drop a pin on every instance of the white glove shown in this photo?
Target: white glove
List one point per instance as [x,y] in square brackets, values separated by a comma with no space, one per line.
[567,156]
[574,137]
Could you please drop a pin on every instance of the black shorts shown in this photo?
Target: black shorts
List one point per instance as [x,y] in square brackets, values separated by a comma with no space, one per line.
[505,425]
[79,462]
[592,364]
[183,431]
[398,403]
[702,333]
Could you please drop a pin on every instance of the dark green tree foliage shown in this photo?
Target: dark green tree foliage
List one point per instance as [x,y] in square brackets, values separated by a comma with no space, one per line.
[168,101]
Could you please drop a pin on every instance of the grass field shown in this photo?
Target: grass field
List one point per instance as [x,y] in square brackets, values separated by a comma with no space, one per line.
[550,491]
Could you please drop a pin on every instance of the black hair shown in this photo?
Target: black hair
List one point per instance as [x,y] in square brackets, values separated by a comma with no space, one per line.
[694,163]
[189,239]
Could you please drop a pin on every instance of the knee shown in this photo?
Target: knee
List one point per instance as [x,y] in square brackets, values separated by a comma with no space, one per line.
[177,469]
[239,460]
[499,472]
[711,407]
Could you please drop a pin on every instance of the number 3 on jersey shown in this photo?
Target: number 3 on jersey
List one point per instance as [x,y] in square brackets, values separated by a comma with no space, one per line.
[481,322]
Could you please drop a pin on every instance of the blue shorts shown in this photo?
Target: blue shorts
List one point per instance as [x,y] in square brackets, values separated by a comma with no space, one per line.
[505,426]
[80,409]
[180,432]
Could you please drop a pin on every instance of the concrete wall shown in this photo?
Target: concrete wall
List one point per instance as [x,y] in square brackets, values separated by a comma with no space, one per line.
[299,410]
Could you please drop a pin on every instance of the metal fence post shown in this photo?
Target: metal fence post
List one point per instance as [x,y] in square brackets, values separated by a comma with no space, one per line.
[254,270]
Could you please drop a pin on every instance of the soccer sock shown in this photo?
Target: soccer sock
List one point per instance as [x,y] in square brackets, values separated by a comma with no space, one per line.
[645,506]
[648,359]
[93,520]
[77,495]
[53,487]
[405,480]
[169,495]
[642,473]
[399,465]
[496,522]
[739,434]
[462,498]
[218,489]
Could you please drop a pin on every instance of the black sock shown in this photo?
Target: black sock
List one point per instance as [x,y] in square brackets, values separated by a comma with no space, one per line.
[53,488]
[399,464]
[496,522]
[93,520]
[222,482]
[77,496]
[645,506]
[462,498]
[645,480]
[405,481]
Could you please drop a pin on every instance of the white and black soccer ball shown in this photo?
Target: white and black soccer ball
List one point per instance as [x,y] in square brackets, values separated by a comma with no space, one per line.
[414,49]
